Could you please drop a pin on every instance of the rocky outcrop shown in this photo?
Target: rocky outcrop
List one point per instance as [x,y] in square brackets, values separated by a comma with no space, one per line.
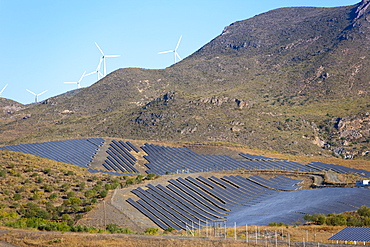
[362,8]
[349,136]
[221,100]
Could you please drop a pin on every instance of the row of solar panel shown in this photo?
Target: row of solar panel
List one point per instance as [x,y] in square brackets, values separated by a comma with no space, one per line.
[198,201]
[119,157]
[353,234]
[164,160]
[78,152]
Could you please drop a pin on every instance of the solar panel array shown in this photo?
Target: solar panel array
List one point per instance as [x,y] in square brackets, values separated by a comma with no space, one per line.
[196,202]
[119,157]
[353,234]
[172,160]
[77,152]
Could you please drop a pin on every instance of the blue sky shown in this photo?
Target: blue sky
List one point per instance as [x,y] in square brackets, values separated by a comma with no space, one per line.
[44,43]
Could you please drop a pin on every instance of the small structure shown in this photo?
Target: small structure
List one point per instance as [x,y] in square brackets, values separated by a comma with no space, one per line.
[362,183]
[355,234]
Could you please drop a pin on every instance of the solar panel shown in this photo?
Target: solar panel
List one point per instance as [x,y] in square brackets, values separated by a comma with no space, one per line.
[353,234]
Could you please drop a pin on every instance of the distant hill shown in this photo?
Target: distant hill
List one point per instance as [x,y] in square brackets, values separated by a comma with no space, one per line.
[281,80]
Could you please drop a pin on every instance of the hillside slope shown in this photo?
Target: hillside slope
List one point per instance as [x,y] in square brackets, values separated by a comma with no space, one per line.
[277,81]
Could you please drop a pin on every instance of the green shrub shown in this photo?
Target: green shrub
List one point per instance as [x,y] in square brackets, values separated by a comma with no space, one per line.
[364,211]
[169,229]
[103,193]
[66,217]
[139,178]
[70,194]
[150,176]
[69,173]
[151,231]
[107,187]
[90,193]
[17,197]
[130,181]
[48,188]
[113,228]
[47,171]
[127,231]
[2,173]
[277,224]
[82,185]
[53,196]
[87,208]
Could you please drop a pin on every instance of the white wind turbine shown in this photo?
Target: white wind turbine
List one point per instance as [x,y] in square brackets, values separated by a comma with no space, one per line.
[97,71]
[175,54]
[103,58]
[36,95]
[2,90]
[79,81]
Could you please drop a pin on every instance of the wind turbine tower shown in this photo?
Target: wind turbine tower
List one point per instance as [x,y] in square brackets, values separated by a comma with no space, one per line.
[103,58]
[2,90]
[79,81]
[36,95]
[175,54]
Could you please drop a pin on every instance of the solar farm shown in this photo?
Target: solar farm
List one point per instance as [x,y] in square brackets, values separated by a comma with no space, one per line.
[207,189]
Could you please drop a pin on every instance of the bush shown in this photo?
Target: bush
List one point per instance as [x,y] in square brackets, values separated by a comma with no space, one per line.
[151,231]
[70,194]
[90,193]
[277,224]
[127,231]
[150,176]
[82,185]
[17,196]
[2,173]
[113,228]
[87,208]
[39,180]
[47,171]
[139,178]
[69,173]
[364,211]
[103,193]
[107,187]
[130,181]
[53,196]
[169,229]
[48,188]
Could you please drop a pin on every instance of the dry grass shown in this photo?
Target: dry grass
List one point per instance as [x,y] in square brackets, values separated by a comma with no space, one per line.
[33,238]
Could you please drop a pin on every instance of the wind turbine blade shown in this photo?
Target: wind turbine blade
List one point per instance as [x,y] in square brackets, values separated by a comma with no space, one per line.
[178,43]
[98,68]
[112,55]
[91,73]
[71,82]
[81,77]
[99,49]
[177,55]
[2,90]
[31,92]
[42,93]
[162,52]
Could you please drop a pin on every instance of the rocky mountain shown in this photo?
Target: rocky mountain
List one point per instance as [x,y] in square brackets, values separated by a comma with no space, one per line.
[282,80]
